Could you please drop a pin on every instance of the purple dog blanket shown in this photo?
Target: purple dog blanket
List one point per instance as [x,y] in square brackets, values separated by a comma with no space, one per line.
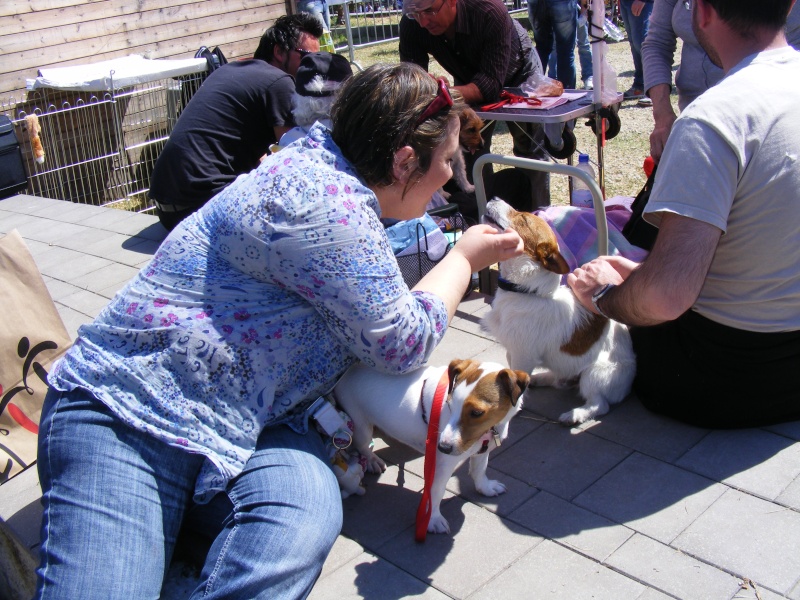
[576,230]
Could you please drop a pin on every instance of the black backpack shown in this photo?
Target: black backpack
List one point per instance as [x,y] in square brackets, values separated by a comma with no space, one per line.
[13,177]
[215,58]
[638,231]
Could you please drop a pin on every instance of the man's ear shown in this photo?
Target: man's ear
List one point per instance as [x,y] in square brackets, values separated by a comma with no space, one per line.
[405,163]
[279,56]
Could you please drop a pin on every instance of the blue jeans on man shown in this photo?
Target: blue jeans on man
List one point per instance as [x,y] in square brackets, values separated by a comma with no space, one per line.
[637,28]
[555,22]
[584,54]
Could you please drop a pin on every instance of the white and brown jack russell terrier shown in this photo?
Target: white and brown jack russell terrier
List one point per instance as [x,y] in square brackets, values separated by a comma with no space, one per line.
[481,400]
[542,325]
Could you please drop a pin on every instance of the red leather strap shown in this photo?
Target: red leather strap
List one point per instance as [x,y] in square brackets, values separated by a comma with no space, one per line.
[431,442]
[507,97]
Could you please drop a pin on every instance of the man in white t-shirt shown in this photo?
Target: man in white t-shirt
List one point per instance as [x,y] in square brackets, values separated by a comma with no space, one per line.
[715,308]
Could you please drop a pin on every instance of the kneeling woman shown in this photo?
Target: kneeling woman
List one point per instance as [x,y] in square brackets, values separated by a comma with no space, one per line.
[191,388]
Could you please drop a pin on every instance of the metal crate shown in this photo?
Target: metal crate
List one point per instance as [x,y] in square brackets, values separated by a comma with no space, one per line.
[100,146]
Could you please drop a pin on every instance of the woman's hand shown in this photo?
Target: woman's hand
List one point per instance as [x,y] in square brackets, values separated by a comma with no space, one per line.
[483,245]
[479,247]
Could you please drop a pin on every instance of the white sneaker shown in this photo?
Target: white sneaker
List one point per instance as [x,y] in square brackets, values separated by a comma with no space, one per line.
[588,84]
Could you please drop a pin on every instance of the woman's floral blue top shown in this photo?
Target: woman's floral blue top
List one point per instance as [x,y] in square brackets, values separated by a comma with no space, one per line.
[252,308]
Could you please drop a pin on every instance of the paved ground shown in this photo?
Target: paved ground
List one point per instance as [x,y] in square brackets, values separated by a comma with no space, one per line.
[633,506]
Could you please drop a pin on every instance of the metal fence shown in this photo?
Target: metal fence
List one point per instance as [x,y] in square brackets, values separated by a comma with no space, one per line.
[100,147]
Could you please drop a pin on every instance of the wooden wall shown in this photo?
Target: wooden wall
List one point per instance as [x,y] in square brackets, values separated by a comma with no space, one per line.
[49,33]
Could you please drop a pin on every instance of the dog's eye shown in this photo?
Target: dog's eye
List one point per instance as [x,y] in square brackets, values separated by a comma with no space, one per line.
[477,414]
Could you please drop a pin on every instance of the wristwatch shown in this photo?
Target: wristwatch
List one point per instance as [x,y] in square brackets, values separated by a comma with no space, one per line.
[599,294]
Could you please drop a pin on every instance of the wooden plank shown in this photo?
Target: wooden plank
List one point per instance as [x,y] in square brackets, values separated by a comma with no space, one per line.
[107,17]
[157,41]
[10,8]
[235,43]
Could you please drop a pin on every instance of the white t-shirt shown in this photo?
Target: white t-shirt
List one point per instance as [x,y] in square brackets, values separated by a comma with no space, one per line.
[733,160]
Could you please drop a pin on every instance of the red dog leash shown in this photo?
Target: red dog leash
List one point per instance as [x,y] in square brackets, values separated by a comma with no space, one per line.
[507,97]
[431,442]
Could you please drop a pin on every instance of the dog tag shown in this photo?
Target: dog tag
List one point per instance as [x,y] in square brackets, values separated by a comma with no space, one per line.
[496,438]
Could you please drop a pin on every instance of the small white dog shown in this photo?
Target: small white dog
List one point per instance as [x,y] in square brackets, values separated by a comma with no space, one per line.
[541,323]
[481,400]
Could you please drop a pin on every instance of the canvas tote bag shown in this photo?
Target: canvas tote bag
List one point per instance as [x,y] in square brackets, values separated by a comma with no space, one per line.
[32,337]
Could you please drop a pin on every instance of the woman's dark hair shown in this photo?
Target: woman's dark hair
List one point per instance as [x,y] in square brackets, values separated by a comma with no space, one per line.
[375,114]
[285,33]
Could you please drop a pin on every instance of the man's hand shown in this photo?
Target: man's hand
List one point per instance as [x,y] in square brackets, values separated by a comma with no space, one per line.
[589,278]
[636,7]
[664,116]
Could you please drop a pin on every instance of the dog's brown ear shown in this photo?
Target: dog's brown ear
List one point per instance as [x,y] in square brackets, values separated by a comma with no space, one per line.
[456,369]
[552,259]
[514,382]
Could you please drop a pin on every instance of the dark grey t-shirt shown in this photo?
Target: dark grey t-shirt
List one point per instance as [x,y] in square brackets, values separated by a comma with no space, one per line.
[225,129]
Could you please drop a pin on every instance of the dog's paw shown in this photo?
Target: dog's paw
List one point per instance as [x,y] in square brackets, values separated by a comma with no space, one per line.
[542,379]
[577,416]
[375,464]
[468,188]
[438,524]
[491,487]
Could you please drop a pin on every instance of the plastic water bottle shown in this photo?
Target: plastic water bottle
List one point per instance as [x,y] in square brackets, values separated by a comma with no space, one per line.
[581,195]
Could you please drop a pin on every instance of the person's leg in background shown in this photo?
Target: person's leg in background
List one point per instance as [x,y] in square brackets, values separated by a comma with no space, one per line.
[542,27]
[528,141]
[113,501]
[564,18]
[637,27]
[584,51]
[287,513]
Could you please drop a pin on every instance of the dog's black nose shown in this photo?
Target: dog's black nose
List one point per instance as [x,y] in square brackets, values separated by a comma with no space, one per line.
[445,448]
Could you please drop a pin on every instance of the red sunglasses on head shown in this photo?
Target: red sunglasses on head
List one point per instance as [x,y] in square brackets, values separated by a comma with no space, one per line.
[442,101]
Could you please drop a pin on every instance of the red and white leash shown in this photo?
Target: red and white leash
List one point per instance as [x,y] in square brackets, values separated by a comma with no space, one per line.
[431,443]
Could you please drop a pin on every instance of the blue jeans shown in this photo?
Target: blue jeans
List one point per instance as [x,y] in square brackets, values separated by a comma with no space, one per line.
[318,8]
[584,54]
[114,499]
[556,22]
[637,28]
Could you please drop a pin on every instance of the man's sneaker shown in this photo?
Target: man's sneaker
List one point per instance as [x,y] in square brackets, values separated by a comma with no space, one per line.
[644,101]
[632,93]
[588,84]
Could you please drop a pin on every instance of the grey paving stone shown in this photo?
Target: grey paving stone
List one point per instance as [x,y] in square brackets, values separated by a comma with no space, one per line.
[557,519]
[59,289]
[753,460]
[71,267]
[672,571]
[517,492]
[652,594]
[633,426]
[344,550]
[747,536]
[50,232]
[368,576]
[554,572]
[480,547]
[791,495]
[651,496]
[113,275]
[10,221]
[457,344]
[72,319]
[86,239]
[388,508]
[553,459]
[790,430]
[134,252]
[85,302]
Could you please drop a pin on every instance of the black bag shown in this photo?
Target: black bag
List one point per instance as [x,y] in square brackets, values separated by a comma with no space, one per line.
[215,58]
[13,177]
[638,231]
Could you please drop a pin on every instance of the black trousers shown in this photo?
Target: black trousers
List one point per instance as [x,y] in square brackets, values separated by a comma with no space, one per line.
[710,375]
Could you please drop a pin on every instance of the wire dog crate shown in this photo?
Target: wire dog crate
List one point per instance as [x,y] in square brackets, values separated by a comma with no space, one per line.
[102,127]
